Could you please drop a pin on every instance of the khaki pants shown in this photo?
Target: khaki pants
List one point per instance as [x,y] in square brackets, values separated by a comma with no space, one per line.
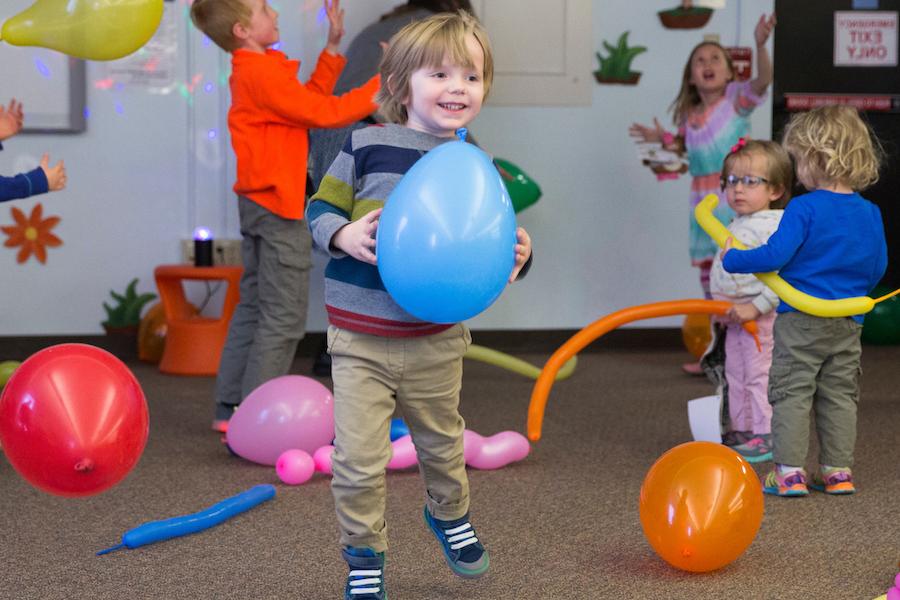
[815,365]
[371,375]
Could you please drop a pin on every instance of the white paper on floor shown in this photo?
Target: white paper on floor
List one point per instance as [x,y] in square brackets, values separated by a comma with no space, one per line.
[703,416]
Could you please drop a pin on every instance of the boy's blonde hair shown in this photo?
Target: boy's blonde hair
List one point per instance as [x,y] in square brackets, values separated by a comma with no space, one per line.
[779,170]
[688,97]
[832,144]
[217,18]
[425,43]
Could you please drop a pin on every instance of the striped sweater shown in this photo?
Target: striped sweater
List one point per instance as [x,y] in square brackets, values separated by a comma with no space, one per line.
[363,175]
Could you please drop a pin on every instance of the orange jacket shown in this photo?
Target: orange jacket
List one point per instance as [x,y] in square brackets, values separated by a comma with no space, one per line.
[270,114]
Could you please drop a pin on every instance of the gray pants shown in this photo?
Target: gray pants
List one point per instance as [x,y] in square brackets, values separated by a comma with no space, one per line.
[815,365]
[271,316]
[373,374]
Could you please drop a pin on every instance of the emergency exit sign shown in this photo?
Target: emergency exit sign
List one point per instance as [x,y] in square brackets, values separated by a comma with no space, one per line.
[865,39]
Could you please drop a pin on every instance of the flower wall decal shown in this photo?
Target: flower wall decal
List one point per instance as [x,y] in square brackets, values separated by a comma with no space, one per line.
[31,234]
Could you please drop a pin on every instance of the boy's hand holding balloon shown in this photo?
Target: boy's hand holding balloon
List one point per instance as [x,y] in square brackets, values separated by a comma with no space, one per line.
[358,237]
[523,252]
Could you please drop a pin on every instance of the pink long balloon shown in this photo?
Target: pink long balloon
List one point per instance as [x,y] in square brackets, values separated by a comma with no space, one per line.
[472,443]
[501,449]
[481,452]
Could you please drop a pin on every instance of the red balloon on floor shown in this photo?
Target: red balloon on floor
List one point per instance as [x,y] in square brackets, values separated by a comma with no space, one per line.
[73,420]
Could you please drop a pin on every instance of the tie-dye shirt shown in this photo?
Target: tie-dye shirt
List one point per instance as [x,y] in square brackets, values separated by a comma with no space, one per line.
[708,137]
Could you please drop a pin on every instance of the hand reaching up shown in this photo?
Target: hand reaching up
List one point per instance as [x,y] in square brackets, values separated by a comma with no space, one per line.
[11,118]
[56,175]
[335,15]
[764,29]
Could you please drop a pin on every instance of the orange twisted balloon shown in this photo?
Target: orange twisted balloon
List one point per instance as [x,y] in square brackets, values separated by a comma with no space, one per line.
[598,328]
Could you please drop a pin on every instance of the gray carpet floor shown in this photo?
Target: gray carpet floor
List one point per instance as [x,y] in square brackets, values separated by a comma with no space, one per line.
[561,524]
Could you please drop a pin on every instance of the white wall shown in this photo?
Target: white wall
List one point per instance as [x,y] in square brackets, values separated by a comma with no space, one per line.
[606,234]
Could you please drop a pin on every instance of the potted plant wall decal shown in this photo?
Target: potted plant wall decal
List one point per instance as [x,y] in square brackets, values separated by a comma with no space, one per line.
[686,16]
[616,67]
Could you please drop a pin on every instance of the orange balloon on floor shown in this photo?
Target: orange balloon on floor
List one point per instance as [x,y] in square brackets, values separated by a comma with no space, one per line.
[701,505]
[696,334]
[73,420]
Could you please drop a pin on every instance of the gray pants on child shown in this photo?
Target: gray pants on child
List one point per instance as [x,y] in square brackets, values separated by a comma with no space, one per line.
[270,318]
[815,365]
[371,375]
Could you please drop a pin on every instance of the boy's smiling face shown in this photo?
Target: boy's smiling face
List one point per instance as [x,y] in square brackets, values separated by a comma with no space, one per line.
[444,98]
[261,31]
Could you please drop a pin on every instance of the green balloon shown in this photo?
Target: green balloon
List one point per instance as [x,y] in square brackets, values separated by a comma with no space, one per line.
[523,191]
[882,323]
[6,370]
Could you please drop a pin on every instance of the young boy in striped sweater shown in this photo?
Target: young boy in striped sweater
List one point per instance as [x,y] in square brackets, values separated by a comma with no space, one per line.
[437,73]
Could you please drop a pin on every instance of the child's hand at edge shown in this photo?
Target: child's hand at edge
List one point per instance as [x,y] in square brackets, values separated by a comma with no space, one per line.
[523,252]
[741,313]
[11,119]
[56,175]
[764,29]
[335,15]
[357,238]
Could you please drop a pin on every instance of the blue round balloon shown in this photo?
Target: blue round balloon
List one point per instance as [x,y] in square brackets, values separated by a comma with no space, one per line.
[446,237]
[398,429]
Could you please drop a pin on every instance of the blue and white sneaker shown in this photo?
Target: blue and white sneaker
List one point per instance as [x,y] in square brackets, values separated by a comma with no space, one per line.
[465,555]
[366,578]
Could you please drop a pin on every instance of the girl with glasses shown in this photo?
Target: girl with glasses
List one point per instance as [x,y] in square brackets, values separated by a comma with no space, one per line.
[756,179]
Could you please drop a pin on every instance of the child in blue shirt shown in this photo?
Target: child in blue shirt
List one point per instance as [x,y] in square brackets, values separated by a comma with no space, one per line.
[831,245]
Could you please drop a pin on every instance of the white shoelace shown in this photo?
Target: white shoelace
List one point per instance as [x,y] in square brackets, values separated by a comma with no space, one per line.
[460,536]
[371,577]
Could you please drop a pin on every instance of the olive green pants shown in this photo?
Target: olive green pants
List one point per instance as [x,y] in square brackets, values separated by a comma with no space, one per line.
[372,374]
[815,365]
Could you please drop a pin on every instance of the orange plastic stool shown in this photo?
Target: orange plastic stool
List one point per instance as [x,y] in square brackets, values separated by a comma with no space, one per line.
[194,343]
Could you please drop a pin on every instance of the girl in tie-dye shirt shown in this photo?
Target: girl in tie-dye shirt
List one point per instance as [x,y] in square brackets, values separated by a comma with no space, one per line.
[712,112]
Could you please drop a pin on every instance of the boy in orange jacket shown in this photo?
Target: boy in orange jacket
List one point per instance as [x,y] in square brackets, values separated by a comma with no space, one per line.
[271,112]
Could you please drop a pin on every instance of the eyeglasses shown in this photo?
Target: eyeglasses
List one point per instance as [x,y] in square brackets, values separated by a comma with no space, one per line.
[749,181]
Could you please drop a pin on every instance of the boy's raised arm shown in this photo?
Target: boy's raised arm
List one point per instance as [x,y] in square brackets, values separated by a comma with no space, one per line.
[298,105]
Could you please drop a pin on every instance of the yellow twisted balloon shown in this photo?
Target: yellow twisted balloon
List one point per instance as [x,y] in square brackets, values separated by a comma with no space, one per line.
[845,307]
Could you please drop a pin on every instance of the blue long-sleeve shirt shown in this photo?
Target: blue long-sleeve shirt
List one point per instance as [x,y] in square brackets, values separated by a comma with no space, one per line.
[23,184]
[828,245]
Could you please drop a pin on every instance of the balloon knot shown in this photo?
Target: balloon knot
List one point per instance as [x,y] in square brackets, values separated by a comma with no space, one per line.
[84,465]
[461,133]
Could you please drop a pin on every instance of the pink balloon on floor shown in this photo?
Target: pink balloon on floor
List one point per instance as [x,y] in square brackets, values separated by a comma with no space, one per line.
[404,453]
[472,443]
[294,467]
[282,414]
[322,459]
[501,449]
